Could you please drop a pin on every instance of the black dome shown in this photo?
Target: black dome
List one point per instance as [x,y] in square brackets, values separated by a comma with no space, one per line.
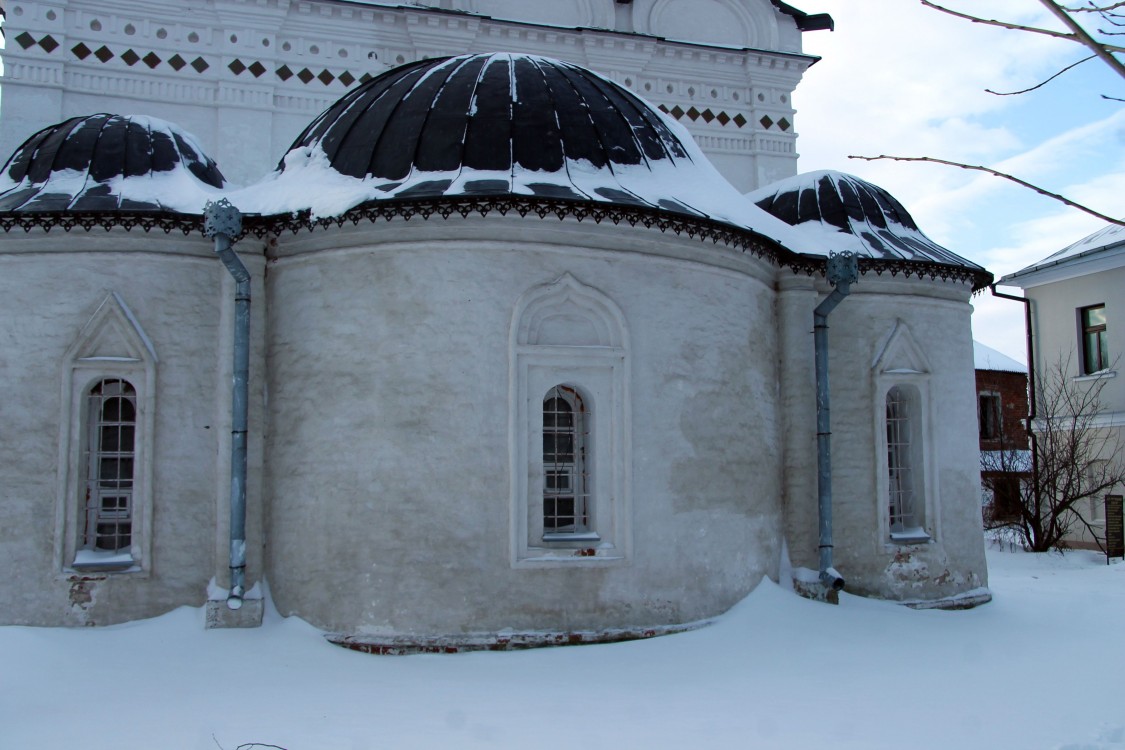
[83,163]
[853,206]
[489,113]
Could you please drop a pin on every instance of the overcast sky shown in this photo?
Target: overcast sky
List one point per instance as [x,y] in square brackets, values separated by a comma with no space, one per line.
[899,78]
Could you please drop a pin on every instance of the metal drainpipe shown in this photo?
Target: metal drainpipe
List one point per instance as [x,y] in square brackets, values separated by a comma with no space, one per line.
[842,272]
[1029,338]
[223,221]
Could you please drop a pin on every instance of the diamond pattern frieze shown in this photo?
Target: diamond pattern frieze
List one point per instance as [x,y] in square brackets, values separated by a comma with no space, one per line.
[257,69]
[49,44]
[284,73]
[766,122]
[739,120]
[236,67]
[81,51]
[130,57]
[25,40]
[151,59]
[177,63]
[199,64]
[103,53]
[325,77]
[784,124]
[347,78]
[306,75]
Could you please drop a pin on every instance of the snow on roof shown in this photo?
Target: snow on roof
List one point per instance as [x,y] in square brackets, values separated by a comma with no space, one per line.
[987,358]
[1107,238]
[502,124]
[839,212]
[109,162]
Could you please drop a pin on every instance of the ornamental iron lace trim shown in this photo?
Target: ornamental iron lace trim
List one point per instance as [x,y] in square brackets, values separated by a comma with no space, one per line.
[700,228]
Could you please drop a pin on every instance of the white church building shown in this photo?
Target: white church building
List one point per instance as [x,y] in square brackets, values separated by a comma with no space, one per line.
[531,340]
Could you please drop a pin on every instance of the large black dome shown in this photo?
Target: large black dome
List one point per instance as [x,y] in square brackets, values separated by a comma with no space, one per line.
[489,113]
[104,162]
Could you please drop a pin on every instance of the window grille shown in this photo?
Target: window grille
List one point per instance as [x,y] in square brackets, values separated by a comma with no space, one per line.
[112,425]
[899,463]
[565,502]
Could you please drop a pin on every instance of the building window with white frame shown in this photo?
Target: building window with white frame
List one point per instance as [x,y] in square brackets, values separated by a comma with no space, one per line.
[1094,343]
[905,500]
[111,425]
[566,504]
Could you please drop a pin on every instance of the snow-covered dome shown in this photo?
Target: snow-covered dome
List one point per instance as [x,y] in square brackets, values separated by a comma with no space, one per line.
[109,162]
[495,126]
[848,213]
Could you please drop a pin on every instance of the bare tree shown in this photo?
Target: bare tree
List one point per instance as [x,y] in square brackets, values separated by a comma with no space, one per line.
[1110,20]
[1077,463]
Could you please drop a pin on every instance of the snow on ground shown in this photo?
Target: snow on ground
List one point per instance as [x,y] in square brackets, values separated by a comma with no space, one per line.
[1039,667]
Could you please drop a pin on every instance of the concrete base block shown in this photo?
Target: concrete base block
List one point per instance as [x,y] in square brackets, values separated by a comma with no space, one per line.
[219,615]
[816,591]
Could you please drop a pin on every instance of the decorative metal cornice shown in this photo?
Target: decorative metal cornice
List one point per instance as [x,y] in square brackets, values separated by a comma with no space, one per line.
[700,228]
[107,220]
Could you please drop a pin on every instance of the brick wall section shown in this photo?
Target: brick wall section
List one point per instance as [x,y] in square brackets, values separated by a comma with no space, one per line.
[1012,387]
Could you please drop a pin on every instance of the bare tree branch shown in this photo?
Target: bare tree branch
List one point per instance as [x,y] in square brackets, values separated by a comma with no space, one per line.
[1081,35]
[1042,83]
[1018,27]
[995,173]
[1091,8]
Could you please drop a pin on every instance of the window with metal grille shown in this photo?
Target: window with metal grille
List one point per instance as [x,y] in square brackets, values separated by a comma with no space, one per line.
[112,424]
[565,502]
[1095,346]
[900,461]
[988,411]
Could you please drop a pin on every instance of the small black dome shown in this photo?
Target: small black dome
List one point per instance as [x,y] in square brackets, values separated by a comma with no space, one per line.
[845,203]
[84,163]
[489,113]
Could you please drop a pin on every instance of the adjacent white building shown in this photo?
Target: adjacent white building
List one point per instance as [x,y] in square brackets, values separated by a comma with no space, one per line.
[521,359]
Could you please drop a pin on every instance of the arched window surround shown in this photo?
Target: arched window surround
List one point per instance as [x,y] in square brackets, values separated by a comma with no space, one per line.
[906,480]
[110,347]
[566,334]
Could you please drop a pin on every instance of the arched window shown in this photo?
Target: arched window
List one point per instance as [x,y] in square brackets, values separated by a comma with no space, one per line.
[111,419]
[904,512]
[565,501]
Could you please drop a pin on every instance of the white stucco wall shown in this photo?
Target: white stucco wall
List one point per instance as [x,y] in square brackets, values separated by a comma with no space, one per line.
[52,285]
[389,441]
[888,325]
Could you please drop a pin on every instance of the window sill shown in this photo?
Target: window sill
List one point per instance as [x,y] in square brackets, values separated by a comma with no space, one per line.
[91,561]
[910,536]
[584,536]
[1099,375]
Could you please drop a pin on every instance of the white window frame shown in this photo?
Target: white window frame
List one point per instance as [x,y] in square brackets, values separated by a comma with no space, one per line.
[566,333]
[110,346]
[903,364]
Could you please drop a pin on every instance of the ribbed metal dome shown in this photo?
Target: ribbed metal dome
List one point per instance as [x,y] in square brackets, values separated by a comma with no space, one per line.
[490,114]
[103,162]
[883,228]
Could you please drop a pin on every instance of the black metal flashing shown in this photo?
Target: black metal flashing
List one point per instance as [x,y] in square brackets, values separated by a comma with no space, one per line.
[70,166]
[806,21]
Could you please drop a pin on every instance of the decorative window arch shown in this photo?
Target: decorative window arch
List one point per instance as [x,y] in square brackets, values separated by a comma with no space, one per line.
[570,425]
[905,480]
[104,517]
